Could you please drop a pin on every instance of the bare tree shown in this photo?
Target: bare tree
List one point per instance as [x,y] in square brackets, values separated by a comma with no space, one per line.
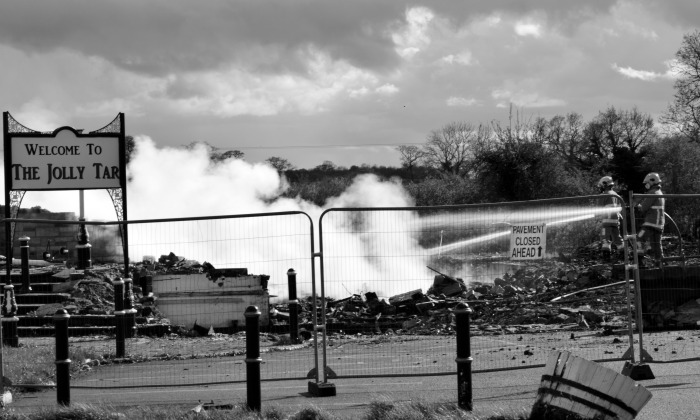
[215,154]
[410,156]
[326,166]
[614,129]
[564,135]
[129,148]
[279,163]
[228,154]
[451,148]
[683,114]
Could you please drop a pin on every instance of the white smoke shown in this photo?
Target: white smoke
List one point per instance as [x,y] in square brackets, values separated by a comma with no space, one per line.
[363,254]
[177,182]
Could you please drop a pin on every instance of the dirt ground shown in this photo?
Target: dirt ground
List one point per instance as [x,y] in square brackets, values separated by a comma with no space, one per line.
[490,350]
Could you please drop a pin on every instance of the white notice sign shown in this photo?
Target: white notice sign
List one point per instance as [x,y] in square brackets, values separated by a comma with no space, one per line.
[528,242]
[64,162]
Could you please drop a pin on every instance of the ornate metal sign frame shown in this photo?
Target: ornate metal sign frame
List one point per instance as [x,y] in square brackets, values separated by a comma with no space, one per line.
[13,198]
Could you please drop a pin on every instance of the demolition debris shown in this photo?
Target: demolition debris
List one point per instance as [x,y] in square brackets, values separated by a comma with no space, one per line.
[572,293]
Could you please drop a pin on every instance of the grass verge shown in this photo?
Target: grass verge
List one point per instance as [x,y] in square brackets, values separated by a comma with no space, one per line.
[376,411]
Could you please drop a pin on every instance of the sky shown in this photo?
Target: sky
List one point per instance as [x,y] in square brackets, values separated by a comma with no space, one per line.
[317,80]
[313,81]
[324,80]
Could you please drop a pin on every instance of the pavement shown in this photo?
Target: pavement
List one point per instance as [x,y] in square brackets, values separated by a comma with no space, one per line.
[674,391]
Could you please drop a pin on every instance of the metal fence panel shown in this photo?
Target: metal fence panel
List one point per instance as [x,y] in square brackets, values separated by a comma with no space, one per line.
[181,353]
[397,253]
[670,291]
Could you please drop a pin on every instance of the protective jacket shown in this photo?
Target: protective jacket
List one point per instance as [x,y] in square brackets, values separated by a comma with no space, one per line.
[611,218]
[652,208]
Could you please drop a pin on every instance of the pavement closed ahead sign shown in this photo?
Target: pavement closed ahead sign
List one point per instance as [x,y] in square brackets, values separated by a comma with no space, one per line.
[528,242]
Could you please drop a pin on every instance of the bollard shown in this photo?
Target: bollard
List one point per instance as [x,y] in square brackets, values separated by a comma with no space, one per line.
[9,320]
[464,360]
[24,255]
[83,249]
[129,311]
[119,316]
[60,321]
[252,356]
[293,306]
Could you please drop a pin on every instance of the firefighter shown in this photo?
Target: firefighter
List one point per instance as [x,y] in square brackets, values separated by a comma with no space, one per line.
[652,210]
[610,233]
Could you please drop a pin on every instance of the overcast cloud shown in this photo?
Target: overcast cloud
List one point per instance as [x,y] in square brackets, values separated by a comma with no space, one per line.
[353,78]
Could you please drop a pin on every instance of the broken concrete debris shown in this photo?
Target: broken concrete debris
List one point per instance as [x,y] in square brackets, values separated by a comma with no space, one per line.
[513,303]
[521,301]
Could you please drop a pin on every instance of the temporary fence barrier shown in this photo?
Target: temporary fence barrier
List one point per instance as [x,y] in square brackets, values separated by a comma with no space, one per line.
[390,280]
[670,287]
[245,259]
[409,267]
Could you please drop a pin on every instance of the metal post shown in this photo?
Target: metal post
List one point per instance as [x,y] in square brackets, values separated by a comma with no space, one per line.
[119,317]
[83,249]
[60,321]
[24,252]
[464,360]
[293,306]
[252,356]
[129,311]
[9,320]
[637,371]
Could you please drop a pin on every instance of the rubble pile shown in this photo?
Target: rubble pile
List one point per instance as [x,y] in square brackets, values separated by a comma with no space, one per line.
[567,293]
[512,303]
[170,264]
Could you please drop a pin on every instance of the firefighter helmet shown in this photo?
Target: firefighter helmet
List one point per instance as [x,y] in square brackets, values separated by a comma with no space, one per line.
[606,182]
[651,180]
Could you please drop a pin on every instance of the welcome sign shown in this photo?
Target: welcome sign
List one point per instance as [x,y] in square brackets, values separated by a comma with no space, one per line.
[65,160]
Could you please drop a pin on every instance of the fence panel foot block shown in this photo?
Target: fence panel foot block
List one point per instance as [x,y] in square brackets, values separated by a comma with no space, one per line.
[638,371]
[319,389]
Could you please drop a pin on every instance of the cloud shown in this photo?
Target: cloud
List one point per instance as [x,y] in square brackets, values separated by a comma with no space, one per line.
[41,116]
[413,36]
[528,29]
[524,99]
[232,92]
[148,38]
[464,58]
[648,76]
[463,102]
[387,89]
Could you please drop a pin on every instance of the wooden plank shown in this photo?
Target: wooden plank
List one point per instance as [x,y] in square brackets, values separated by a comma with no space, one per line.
[618,389]
[574,365]
[549,368]
[557,373]
[603,383]
[640,398]
[603,379]
[587,377]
